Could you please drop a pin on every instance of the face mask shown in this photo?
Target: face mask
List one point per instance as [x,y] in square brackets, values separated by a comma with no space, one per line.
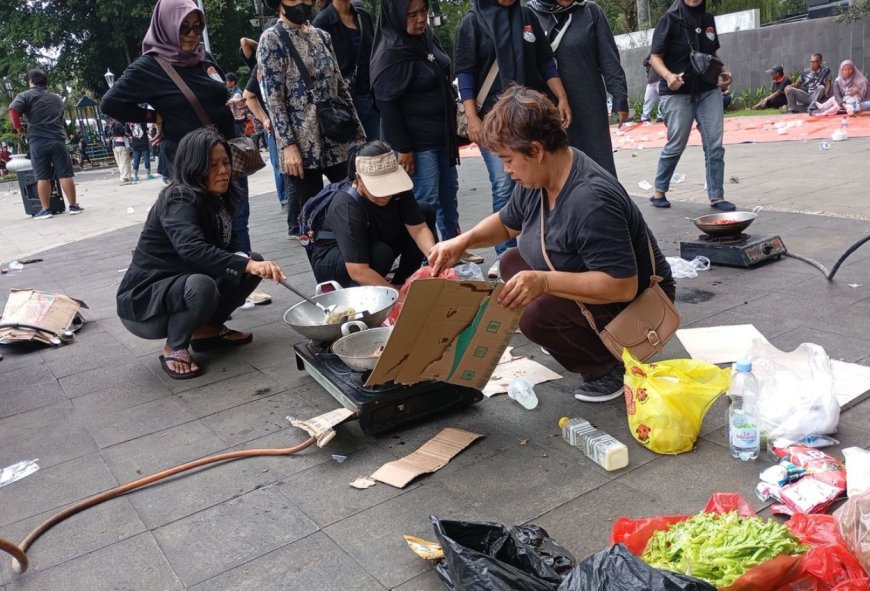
[298,14]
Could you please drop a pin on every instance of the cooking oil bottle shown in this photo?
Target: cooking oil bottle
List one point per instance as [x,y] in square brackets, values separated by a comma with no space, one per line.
[595,444]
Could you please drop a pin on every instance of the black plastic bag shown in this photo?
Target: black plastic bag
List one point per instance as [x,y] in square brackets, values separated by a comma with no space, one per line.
[489,557]
[617,569]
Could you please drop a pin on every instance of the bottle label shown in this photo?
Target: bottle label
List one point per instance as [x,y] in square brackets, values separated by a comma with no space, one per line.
[744,432]
[594,443]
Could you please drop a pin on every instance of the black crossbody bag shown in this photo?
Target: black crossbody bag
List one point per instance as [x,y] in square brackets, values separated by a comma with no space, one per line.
[706,67]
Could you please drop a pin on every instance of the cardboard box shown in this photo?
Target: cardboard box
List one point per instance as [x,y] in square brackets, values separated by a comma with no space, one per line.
[430,457]
[450,331]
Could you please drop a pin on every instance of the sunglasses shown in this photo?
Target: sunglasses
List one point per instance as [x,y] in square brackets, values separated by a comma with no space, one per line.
[196,29]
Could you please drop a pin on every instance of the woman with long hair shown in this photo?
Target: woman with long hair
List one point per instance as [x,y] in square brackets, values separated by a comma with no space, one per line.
[187,274]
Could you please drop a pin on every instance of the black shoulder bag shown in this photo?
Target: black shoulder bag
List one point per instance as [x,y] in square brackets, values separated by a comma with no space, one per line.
[706,67]
[336,119]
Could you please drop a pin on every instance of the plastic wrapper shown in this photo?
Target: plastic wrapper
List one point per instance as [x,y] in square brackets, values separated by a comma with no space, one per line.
[666,401]
[857,470]
[824,482]
[853,519]
[421,273]
[17,471]
[683,269]
[796,391]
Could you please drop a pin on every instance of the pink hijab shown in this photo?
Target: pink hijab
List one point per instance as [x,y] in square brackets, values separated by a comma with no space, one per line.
[857,80]
[164,37]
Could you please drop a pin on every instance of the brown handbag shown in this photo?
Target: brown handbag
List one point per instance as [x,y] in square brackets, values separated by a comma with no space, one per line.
[246,157]
[644,326]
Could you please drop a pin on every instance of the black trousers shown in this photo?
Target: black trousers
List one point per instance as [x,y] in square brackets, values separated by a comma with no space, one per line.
[307,187]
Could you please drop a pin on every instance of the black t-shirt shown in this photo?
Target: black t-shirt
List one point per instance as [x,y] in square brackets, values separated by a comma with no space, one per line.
[595,226]
[357,223]
[780,86]
[415,122]
[44,112]
[672,40]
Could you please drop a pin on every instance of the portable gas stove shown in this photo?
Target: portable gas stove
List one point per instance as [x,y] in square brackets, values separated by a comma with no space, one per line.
[380,408]
[740,250]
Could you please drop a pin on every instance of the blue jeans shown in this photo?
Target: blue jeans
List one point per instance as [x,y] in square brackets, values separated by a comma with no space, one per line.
[436,182]
[678,112]
[368,115]
[280,185]
[502,187]
[240,219]
[143,156]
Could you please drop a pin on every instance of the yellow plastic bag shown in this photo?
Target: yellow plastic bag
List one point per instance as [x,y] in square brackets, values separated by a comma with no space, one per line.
[667,401]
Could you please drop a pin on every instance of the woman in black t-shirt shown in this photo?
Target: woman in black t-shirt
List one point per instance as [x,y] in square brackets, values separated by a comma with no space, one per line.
[372,221]
[684,98]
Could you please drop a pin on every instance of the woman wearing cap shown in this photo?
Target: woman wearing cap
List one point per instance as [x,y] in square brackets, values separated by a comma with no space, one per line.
[372,222]
[187,276]
[175,36]
[594,235]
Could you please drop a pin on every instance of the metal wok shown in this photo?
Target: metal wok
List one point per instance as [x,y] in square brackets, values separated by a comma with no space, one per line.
[372,305]
[360,351]
[726,224]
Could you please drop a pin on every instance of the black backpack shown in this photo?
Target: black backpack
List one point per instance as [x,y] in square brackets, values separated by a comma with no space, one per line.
[313,213]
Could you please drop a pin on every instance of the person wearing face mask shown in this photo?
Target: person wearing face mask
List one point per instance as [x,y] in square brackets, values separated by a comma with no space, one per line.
[305,154]
[502,42]
[372,221]
[410,75]
[175,37]
[685,98]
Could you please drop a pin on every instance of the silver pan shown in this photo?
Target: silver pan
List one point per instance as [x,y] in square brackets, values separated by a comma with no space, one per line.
[726,224]
[372,305]
[360,351]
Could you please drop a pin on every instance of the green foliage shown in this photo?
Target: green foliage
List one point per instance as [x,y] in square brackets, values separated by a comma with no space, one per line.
[856,10]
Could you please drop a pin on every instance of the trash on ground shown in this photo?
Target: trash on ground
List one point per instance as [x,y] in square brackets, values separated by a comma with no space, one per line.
[734,180]
[130,210]
[855,284]
[339,458]
[719,344]
[824,146]
[30,261]
[17,471]
[678,178]
[645,185]
[16,265]
[321,427]
[857,471]
[510,368]
[363,482]
[666,401]
[823,482]
[430,457]
[524,393]
[598,446]
[683,269]
[38,316]
[424,548]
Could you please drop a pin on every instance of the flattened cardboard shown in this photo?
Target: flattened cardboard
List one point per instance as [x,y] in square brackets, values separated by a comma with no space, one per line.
[430,457]
[321,427]
[450,331]
[53,313]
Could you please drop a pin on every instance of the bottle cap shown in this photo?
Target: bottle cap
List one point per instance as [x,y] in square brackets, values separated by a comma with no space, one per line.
[563,421]
[744,365]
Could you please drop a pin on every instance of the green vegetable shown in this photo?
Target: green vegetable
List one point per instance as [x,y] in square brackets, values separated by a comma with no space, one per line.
[719,548]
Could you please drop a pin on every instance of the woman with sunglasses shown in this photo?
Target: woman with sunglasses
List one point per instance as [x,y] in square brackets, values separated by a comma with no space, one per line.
[175,36]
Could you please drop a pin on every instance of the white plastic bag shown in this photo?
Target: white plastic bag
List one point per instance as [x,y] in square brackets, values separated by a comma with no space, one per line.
[683,269]
[857,471]
[796,396]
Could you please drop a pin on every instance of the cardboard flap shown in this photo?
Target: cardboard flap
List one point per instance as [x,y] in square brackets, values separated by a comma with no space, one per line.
[431,456]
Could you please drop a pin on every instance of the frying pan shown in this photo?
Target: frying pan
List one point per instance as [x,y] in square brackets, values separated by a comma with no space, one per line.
[726,224]
[360,351]
[371,303]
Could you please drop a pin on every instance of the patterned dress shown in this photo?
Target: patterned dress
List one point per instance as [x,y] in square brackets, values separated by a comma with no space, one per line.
[291,104]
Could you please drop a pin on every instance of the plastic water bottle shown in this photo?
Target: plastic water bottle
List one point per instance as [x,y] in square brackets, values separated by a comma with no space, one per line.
[595,444]
[522,391]
[743,436]
[844,127]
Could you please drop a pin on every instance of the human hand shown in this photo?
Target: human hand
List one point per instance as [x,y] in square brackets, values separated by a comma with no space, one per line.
[158,137]
[622,117]
[406,161]
[266,270]
[475,126]
[445,254]
[564,111]
[674,81]
[292,161]
[522,289]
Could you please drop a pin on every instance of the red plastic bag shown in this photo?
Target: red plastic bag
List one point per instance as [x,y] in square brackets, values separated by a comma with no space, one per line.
[421,273]
[827,566]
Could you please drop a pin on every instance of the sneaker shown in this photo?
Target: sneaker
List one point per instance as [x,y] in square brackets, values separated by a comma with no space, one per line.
[43,214]
[260,298]
[608,387]
[149,177]
[135,178]
[494,272]
[75,209]
[470,257]
[723,205]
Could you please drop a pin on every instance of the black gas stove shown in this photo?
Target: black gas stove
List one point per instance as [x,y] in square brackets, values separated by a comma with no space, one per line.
[379,408]
[741,250]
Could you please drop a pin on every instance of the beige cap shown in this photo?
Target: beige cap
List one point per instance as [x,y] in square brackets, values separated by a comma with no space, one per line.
[382,175]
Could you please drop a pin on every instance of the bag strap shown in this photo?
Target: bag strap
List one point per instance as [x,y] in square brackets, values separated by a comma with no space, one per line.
[586,313]
[185,90]
[294,53]
[487,84]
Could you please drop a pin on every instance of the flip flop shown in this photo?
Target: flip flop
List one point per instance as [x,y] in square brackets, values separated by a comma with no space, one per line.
[180,356]
[220,340]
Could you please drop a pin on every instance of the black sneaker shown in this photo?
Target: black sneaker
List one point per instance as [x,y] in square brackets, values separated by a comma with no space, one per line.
[604,388]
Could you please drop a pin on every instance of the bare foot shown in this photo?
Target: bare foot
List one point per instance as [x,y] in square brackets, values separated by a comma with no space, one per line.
[179,367]
[206,331]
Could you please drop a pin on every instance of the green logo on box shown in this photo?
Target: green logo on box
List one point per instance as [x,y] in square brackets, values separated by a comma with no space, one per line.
[467,375]
[481,351]
[493,326]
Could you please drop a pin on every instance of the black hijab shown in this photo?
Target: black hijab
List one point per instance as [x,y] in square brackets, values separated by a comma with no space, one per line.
[393,45]
[691,17]
[504,25]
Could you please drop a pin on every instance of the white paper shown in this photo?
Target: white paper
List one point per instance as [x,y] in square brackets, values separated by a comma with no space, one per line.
[851,380]
[522,367]
[719,344]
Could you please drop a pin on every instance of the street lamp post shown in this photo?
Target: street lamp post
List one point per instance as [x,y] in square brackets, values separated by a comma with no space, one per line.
[110,78]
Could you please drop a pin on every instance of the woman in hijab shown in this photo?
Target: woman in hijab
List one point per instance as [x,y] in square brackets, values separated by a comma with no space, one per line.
[504,36]
[850,91]
[583,44]
[175,37]
[685,98]
[410,75]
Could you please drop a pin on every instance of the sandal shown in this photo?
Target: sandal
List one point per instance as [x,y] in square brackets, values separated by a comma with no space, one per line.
[180,356]
[225,337]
